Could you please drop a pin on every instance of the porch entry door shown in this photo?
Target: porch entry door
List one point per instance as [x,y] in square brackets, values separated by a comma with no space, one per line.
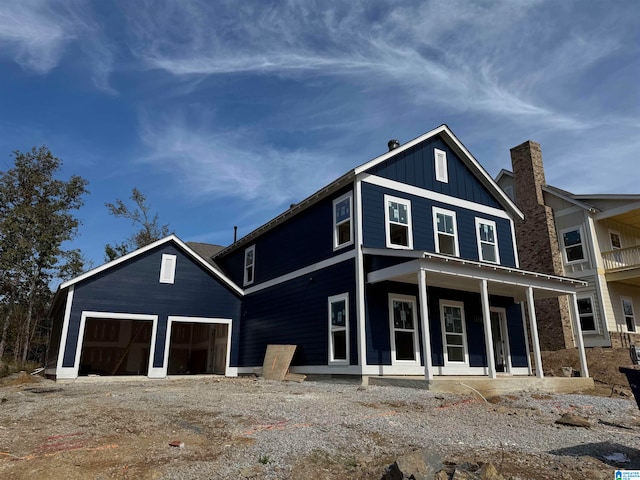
[404,335]
[500,344]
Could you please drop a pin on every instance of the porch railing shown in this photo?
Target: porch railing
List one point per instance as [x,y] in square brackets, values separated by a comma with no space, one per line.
[621,258]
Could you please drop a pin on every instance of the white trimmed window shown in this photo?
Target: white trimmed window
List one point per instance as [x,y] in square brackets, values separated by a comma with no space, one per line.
[487,241]
[587,315]
[397,214]
[572,245]
[342,221]
[168,268]
[339,328]
[440,158]
[616,244]
[249,265]
[614,237]
[445,232]
[627,311]
[454,338]
[404,332]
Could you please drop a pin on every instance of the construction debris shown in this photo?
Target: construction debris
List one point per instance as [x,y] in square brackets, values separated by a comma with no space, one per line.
[276,361]
[573,420]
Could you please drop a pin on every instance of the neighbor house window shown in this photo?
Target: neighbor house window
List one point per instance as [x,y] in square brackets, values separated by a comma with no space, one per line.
[614,236]
[487,241]
[398,222]
[342,221]
[249,264]
[446,232]
[573,246]
[586,314]
[627,311]
[404,333]
[339,328]
[168,268]
[453,332]
[440,158]
[616,244]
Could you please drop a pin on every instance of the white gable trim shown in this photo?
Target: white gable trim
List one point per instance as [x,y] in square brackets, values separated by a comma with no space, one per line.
[135,253]
[461,150]
[431,195]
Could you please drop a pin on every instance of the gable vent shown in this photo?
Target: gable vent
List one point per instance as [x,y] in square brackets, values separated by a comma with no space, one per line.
[393,144]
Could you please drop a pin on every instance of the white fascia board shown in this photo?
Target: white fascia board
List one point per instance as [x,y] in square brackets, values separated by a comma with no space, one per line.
[476,270]
[461,150]
[135,253]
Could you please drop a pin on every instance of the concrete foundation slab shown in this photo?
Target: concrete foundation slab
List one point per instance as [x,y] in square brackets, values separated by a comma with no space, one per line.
[488,386]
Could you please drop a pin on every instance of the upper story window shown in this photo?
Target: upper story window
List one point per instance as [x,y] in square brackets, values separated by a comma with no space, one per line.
[339,328]
[585,312]
[168,268]
[440,157]
[487,241]
[445,232]
[249,265]
[342,221]
[616,243]
[398,222]
[573,245]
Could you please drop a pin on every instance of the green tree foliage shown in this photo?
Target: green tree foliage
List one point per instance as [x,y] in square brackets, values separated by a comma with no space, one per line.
[35,220]
[149,229]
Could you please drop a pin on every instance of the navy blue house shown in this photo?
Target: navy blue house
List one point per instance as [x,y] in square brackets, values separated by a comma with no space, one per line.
[405,265]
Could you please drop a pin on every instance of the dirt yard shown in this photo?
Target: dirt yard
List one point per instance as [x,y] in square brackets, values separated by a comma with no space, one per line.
[250,428]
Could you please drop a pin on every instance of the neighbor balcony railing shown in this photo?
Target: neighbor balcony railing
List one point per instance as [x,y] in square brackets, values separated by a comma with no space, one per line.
[621,258]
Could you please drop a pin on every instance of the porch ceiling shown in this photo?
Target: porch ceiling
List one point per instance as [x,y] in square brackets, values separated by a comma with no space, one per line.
[449,272]
[631,218]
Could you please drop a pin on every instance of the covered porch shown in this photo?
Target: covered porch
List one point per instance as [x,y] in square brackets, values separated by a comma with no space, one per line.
[427,271]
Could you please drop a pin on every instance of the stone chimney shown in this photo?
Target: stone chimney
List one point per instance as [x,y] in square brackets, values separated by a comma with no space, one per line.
[538,246]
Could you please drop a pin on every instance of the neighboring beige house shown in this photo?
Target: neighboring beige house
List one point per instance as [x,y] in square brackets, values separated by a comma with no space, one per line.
[595,238]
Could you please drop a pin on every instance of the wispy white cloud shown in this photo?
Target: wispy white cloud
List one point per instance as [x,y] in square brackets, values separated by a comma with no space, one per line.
[467,55]
[36,34]
[231,164]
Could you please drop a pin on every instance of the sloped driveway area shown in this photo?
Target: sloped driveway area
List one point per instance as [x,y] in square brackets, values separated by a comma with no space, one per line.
[251,428]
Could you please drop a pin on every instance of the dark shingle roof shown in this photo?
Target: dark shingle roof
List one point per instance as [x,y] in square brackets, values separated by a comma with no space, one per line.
[205,250]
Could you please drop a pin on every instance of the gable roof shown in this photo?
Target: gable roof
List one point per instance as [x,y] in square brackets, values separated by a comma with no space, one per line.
[449,138]
[209,266]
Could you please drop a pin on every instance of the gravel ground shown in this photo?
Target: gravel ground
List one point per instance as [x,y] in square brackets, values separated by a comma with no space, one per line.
[251,428]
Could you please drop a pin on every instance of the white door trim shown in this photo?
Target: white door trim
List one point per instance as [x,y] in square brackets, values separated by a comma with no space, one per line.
[162,372]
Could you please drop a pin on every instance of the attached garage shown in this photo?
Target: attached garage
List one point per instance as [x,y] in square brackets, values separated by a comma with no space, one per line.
[161,310]
[116,346]
[197,346]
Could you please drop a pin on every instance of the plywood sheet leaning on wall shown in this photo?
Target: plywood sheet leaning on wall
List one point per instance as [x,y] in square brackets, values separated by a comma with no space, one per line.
[276,361]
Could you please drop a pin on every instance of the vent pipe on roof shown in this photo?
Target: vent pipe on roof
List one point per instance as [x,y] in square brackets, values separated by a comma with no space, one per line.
[235,233]
[393,144]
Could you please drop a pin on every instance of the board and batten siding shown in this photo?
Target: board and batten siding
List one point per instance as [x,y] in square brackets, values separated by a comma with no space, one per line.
[422,224]
[416,166]
[134,287]
[302,240]
[295,312]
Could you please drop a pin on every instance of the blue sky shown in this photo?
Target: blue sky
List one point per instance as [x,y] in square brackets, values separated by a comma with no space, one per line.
[224,113]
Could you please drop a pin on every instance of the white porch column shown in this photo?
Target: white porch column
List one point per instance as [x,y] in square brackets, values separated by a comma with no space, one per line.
[526,336]
[488,335]
[577,329]
[534,333]
[424,315]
